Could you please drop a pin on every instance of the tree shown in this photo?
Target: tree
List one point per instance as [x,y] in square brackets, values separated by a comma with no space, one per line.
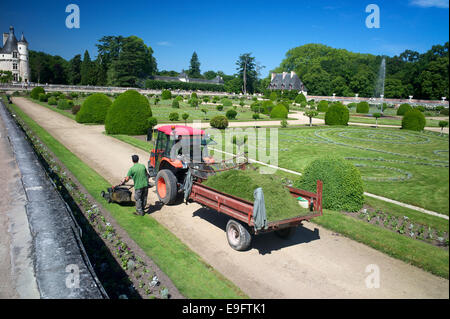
[311,114]
[247,72]
[6,76]
[209,75]
[86,69]
[194,69]
[185,116]
[75,70]
[376,116]
[443,124]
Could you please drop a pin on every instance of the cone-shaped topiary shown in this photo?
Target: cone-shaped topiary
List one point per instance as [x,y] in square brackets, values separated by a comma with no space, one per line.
[413,120]
[279,112]
[94,109]
[342,183]
[337,114]
[128,114]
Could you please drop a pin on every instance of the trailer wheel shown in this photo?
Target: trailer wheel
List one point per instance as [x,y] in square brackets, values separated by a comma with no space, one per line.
[238,236]
[286,233]
[166,186]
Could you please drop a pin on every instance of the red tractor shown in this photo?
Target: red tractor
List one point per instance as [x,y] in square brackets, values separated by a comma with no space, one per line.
[176,149]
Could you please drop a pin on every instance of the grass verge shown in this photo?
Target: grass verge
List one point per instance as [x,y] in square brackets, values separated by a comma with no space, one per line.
[193,277]
[62,112]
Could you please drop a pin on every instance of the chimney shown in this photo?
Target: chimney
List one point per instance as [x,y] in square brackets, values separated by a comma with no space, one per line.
[292,74]
[5,37]
[273,76]
[284,75]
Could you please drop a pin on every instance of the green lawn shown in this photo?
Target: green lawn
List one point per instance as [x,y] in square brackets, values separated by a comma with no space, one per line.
[415,252]
[406,166]
[382,121]
[192,276]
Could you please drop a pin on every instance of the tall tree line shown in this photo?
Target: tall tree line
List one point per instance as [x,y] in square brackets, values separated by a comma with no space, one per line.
[325,70]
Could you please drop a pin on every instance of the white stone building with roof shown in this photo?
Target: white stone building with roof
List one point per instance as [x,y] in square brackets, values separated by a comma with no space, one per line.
[14,56]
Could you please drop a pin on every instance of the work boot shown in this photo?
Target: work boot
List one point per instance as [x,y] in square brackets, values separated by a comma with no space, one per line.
[138,213]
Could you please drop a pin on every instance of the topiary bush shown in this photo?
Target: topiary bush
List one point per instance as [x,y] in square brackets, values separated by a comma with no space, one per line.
[256,107]
[267,107]
[337,114]
[194,95]
[174,116]
[362,107]
[94,109]
[36,91]
[279,112]
[255,116]
[166,95]
[193,102]
[128,114]
[52,101]
[413,120]
[175,104]
[322,106]
[273,96]
[220,122]
[299,99]
[179,98]
[405,107]
[63,104]
[342,183]
[231,114]
[42,97]
[219,107]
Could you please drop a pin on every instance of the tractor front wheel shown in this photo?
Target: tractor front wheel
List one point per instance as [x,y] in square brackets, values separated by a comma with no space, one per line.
[166,186]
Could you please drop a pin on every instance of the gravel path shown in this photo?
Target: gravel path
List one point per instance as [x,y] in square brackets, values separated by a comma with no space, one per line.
[315,263]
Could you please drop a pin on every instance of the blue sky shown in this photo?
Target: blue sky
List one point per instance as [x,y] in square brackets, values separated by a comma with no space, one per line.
[219,31]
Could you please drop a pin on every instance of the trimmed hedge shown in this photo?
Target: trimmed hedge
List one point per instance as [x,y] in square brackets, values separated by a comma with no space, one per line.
[404,108]
[322,106]
[128,114]
[337,114]
[36,91]
[187,86]
[219,122]
[52,101]
[342,183]
[413,120]
[362,107]
[166,95]
[43,97]
[94,109]
[231,114]
[63,104]
[174,116]
[279,112]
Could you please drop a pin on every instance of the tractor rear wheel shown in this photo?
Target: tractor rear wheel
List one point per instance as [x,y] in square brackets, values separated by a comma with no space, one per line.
[166,186]
[238,236]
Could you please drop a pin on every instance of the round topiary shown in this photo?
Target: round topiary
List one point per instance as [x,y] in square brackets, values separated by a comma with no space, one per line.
[279,112]
[300,98]
[322,106]
[219,107]
[36,91]
[179,98]
[342,183]
[337,114]
[220,122]
[166,95]
[413,120]
[175,104]
[128,114]
[94,109]
[174,116]
[52,101]
[362,107]
[255,116]
[63,104]
[405,107]
[231,114]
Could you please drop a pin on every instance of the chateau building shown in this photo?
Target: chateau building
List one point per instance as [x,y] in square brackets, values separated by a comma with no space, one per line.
[183,77]
[286,81]
[14,56]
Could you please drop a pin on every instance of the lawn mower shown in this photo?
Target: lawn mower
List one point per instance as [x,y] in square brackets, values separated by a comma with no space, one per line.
[119,194]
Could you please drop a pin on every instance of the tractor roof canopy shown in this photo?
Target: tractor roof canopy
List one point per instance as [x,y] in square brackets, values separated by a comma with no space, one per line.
[180,130]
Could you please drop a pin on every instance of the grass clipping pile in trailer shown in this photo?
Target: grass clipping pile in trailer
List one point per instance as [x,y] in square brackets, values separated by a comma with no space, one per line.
[280,204]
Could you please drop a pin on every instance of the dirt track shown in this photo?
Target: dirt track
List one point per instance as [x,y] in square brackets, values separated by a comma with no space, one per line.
[313,264]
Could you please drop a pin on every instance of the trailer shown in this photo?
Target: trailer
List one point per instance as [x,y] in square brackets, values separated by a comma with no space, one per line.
[172,170]
[241,226]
